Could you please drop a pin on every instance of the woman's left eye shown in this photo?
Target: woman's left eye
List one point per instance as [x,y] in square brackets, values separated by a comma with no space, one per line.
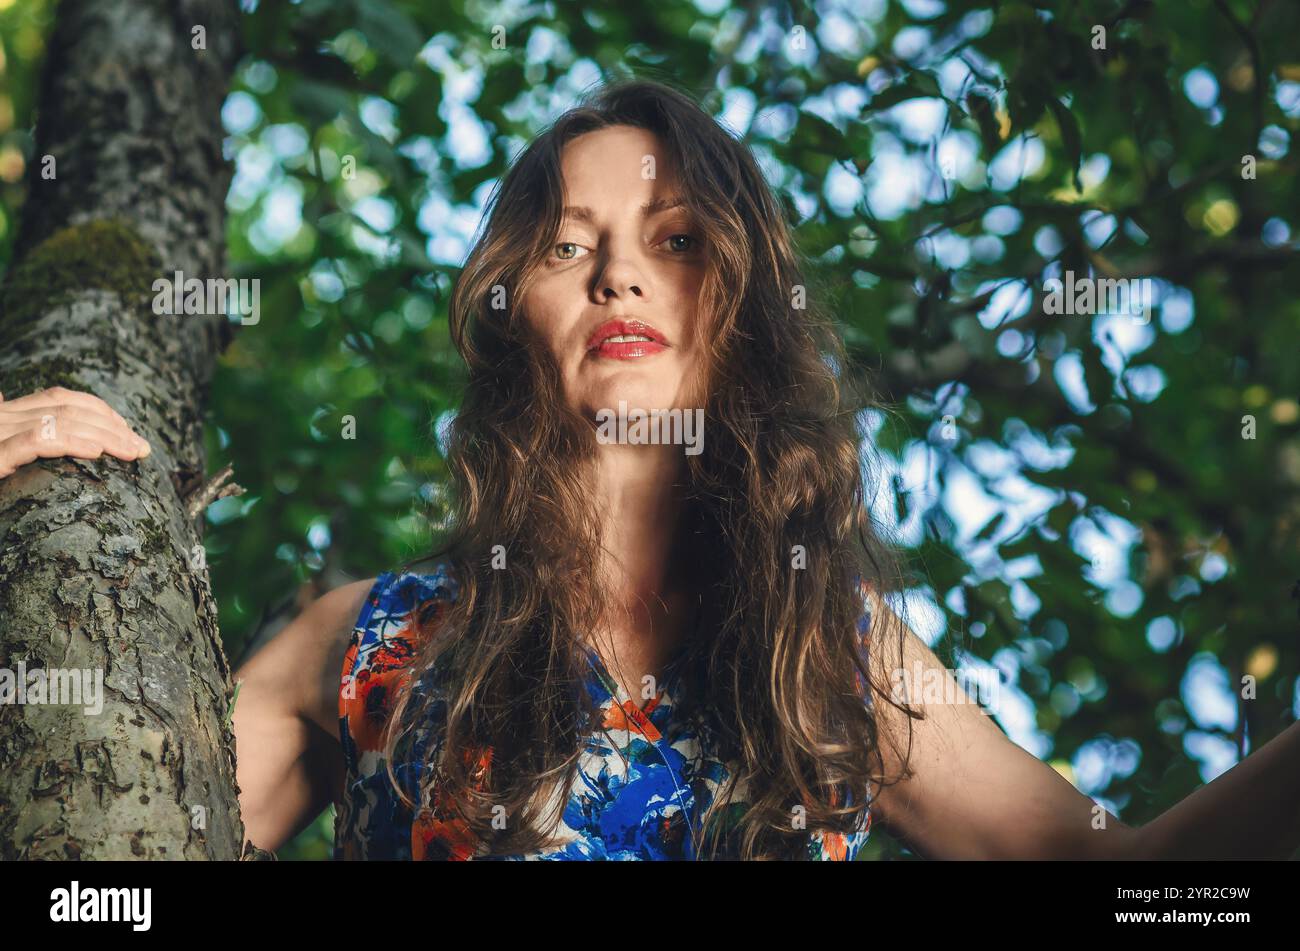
[680,242]
[567,250]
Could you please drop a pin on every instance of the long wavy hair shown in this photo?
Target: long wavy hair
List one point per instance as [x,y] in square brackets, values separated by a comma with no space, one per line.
[776,523]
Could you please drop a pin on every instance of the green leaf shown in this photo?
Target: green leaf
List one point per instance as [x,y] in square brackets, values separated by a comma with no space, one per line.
[1026,104]
[990,529]
[1070,137]
[389,30]
[815,238]
[918,85]
[981,109]
[319,103]
[818,135]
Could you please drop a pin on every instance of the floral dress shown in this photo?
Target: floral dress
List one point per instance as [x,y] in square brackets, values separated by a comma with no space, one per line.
[643,780]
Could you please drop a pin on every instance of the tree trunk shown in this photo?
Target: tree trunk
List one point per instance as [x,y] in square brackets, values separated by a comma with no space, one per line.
[101,567]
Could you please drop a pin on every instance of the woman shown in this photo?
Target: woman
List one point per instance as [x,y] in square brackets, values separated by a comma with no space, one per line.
[647,643]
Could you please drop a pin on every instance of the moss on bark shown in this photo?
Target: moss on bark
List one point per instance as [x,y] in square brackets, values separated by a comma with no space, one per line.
[105,254]
[32,377]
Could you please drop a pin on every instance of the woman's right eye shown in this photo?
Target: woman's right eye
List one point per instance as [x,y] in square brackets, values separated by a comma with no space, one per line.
[568,251]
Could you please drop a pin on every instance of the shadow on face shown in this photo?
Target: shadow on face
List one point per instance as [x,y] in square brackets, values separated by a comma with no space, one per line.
[617,299]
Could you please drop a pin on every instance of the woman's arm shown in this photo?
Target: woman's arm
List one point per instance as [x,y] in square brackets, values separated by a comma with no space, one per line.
[288,761]
[1250,812]
[974,794]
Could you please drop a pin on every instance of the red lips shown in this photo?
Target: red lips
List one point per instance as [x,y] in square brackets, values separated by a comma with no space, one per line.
[600,344]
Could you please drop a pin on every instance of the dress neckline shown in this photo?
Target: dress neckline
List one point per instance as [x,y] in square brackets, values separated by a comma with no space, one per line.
[604,687]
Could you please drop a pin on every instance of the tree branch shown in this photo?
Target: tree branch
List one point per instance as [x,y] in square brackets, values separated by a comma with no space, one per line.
[211,490]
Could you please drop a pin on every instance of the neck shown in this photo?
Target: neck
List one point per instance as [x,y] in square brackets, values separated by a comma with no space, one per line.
[638,493]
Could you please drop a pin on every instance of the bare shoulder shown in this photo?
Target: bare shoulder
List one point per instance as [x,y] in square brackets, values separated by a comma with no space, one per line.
[301,666]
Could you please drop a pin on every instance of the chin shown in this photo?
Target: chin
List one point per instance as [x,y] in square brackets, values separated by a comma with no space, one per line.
[633,389]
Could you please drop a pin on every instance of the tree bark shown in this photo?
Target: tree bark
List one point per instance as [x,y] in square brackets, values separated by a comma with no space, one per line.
[100,566]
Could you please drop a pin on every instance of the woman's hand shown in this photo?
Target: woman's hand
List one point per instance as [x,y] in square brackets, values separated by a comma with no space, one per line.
[62,422]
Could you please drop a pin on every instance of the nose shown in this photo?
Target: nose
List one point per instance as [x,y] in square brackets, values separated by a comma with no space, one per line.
[620,278]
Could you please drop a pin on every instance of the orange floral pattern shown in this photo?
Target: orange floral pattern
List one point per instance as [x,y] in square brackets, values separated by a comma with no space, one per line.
[644,777]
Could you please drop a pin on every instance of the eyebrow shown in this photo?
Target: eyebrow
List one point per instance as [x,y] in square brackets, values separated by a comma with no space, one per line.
[583,213]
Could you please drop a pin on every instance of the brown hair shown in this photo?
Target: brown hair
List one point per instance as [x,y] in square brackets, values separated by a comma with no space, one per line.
[781,468]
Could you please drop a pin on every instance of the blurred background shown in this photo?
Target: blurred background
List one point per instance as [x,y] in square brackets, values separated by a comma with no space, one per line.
[1100,513]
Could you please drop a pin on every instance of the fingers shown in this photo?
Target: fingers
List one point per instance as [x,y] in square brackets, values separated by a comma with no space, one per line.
[45,418]
[61,422]
[80,440]
[12,421]
[19,450]
[79,405]
[61,396]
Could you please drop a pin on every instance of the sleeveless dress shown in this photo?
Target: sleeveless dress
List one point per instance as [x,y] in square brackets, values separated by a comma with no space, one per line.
[642,781]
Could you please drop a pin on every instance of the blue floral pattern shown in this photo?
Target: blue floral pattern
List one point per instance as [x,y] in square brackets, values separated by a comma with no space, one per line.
[642,779]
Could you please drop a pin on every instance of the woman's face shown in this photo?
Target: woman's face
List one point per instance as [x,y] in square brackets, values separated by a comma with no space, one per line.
[617,299]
